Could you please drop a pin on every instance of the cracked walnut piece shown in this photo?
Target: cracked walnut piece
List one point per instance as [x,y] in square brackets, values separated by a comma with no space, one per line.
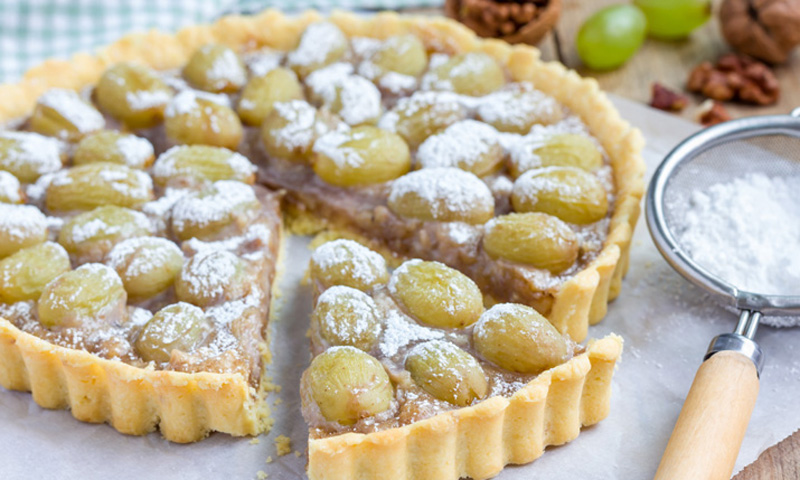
[665,99]
[735,77]
[765,29]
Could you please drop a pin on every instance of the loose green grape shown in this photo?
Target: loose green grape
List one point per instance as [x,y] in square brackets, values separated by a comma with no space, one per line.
[436,294]
[518,338]
[91,235]
[346,316]
[179,326]
[447,372]
[568,193]
[346,385]
[611,36]
[24,274]
[21,226]
[146,265]
[91,295]
[345,262]
[674,19]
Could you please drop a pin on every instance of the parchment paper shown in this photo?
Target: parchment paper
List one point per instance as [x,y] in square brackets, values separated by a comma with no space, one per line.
[667,324]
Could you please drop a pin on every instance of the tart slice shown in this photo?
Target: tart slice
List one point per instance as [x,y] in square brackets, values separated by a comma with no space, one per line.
[136,296]
[412,376]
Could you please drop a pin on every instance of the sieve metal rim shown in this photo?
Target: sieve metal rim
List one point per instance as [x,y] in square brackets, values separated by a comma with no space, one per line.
[777,305]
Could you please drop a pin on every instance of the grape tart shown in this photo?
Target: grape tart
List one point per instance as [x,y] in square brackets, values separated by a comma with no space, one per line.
[397,132]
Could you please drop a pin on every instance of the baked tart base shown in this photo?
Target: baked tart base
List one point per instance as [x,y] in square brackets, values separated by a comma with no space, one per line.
[478,441]
[475,441]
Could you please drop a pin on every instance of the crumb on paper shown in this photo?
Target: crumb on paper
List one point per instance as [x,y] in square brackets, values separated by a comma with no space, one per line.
[262,475]
[283,445]
[255,441]
[297,453]
[278,401]
[269,459]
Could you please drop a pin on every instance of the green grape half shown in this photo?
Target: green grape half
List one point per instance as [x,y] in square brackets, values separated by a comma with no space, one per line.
[611,36]
[674,19]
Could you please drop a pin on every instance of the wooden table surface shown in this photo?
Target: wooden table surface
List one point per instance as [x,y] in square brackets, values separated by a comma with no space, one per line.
[669,63]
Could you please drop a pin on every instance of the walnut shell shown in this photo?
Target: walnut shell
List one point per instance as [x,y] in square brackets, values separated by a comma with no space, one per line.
[765,29]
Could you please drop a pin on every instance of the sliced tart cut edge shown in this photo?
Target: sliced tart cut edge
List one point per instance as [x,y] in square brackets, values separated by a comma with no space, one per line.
[185,407]
[478,441]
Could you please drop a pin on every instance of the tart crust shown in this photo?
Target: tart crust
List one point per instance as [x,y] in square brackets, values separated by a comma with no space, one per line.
[476,441]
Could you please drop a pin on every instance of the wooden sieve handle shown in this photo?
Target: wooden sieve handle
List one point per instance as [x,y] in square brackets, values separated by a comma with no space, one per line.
[711,426]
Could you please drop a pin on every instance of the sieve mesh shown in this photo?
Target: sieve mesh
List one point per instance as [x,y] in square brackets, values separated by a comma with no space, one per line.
[732,151]
[776,155]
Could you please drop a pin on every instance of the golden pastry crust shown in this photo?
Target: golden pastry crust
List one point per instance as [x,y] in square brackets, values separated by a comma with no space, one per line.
[476,441]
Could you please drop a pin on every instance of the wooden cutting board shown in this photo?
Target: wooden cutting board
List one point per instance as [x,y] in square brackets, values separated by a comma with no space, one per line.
[778,462]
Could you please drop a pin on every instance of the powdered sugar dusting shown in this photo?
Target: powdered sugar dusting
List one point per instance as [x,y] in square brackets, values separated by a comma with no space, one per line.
[31,151]
[352,328]
[444,190]
[145,99]
[214,206]
[358,262]
[169,164]
[331,145]
[400,331]
[9,187]
[81,232]
[209,272]
[70,106]
[317,43]
[522,149]
[460,145]
[745,231]
[186,102]
[137,260]
[533,182]
[518,105]
[136,151]
[227,68]
[301,124]
[261,62]
[18,222]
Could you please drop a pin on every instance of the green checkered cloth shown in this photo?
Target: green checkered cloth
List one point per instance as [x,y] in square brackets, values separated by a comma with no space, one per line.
[34,30]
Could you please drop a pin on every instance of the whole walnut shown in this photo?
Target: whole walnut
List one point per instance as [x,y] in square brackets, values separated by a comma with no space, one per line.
[765,29]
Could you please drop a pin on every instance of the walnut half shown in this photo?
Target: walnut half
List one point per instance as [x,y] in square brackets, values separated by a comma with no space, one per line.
[765,29]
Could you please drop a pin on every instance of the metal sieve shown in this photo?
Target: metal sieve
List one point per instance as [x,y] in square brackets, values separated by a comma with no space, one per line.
[710,428]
